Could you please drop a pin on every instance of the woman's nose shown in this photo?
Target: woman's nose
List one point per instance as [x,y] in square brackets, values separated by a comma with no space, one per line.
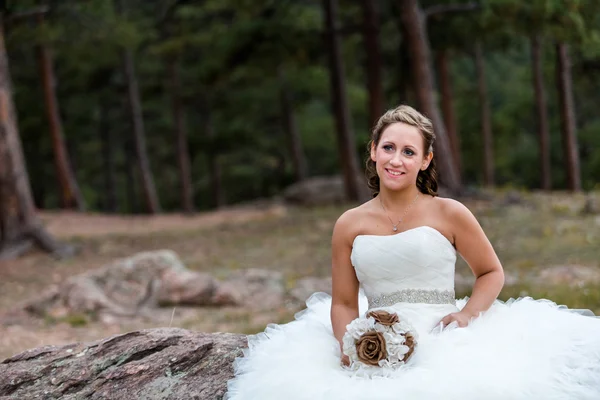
[396,160]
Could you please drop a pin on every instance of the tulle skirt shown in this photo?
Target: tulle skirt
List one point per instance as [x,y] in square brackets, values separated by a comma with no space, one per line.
[519,349]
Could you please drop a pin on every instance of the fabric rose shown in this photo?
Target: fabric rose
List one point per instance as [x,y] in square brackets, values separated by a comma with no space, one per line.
[409,342]
[384,318]
[371,348]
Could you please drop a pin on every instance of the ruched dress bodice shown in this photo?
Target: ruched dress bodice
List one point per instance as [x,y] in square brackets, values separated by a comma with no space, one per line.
[414,266]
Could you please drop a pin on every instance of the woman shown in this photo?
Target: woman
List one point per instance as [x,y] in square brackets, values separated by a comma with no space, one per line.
[400,248]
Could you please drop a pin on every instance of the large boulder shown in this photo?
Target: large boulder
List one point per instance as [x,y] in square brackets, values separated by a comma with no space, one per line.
[131,287]
[150,364]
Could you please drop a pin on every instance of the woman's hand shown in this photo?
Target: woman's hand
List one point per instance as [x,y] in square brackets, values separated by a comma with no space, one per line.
[345,360]
[461,319]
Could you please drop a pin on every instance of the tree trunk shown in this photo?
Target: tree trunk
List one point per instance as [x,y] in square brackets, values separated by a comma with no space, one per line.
[374,62]
[108,151]
[413,22]
[69,189]
[291,129]
[448,106]
[345,135]
[541,113]
[214,165]
[20,228]
[567,116]
[139,134]
[485,118]
[183,156]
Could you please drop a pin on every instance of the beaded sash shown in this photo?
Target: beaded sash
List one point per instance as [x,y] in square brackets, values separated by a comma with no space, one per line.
[427,296]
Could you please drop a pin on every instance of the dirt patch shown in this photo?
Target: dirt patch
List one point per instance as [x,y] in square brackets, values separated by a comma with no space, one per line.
[67,224]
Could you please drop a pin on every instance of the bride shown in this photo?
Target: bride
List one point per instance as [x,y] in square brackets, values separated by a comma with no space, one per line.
[398,251]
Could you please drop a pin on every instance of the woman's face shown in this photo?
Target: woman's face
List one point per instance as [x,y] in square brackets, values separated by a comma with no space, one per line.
[399,156]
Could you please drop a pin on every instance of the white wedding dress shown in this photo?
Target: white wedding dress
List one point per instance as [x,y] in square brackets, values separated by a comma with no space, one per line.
[521,349]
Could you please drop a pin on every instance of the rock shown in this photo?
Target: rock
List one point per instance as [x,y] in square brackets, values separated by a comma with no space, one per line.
[130,287]
[305,287]
[322,190]
[257,289]
[192,288]
[149,364]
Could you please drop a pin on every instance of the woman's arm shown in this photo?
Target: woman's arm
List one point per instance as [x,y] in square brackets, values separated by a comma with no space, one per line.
[473,245]
[344,303]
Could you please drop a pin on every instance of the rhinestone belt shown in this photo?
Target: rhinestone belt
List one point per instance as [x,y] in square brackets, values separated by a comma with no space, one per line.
[427,296]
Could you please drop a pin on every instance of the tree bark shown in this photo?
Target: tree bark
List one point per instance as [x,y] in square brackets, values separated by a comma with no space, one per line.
[485,118]
[345,134]
[139,134]
[374,62]
[291,129]
[448,106]
[70,194]
[20,227]
[541,113]
[567,116]
[183,156]
[137,120]
[413,22]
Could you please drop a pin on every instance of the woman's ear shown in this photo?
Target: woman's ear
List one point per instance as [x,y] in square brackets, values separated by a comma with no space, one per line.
[427,161]
[373,152]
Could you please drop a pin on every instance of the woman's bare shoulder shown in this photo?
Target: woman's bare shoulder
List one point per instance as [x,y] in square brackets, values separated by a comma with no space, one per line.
[350,223]
[456,215]
[451,208]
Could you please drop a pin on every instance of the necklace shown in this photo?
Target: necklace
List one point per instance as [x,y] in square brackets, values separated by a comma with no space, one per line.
[395,226]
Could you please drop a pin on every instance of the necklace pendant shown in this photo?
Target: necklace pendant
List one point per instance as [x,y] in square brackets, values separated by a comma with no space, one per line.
[395,228]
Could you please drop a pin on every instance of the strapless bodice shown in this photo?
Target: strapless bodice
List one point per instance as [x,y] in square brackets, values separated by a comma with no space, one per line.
[415,266]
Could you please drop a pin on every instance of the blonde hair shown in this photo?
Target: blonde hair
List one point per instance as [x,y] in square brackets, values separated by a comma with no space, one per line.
[426,180]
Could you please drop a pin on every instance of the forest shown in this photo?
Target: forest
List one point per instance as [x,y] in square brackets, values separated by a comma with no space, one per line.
[134,106]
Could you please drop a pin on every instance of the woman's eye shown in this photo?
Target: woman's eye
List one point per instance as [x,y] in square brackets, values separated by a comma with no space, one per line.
[409,152]
[387,147]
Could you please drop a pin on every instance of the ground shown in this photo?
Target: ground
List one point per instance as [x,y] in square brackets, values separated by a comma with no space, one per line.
[530,231]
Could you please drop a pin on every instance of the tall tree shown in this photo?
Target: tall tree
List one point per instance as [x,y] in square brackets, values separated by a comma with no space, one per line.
[139,133]
[183,156]
[447,98]
[374,63]
[20,227]
[413,21]
[337,77]
[70,194]
[485,117]
[541,112]
[564,83]
[173,41]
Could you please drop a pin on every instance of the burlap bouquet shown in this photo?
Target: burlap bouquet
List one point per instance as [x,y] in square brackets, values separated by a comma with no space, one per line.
[378,340]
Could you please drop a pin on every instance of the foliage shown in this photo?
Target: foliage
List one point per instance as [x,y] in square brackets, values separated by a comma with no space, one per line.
[230,53]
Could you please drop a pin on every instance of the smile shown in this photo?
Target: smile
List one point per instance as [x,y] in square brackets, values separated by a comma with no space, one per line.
[394,173]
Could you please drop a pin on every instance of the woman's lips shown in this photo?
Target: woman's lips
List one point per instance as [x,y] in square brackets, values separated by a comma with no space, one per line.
[394,174]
